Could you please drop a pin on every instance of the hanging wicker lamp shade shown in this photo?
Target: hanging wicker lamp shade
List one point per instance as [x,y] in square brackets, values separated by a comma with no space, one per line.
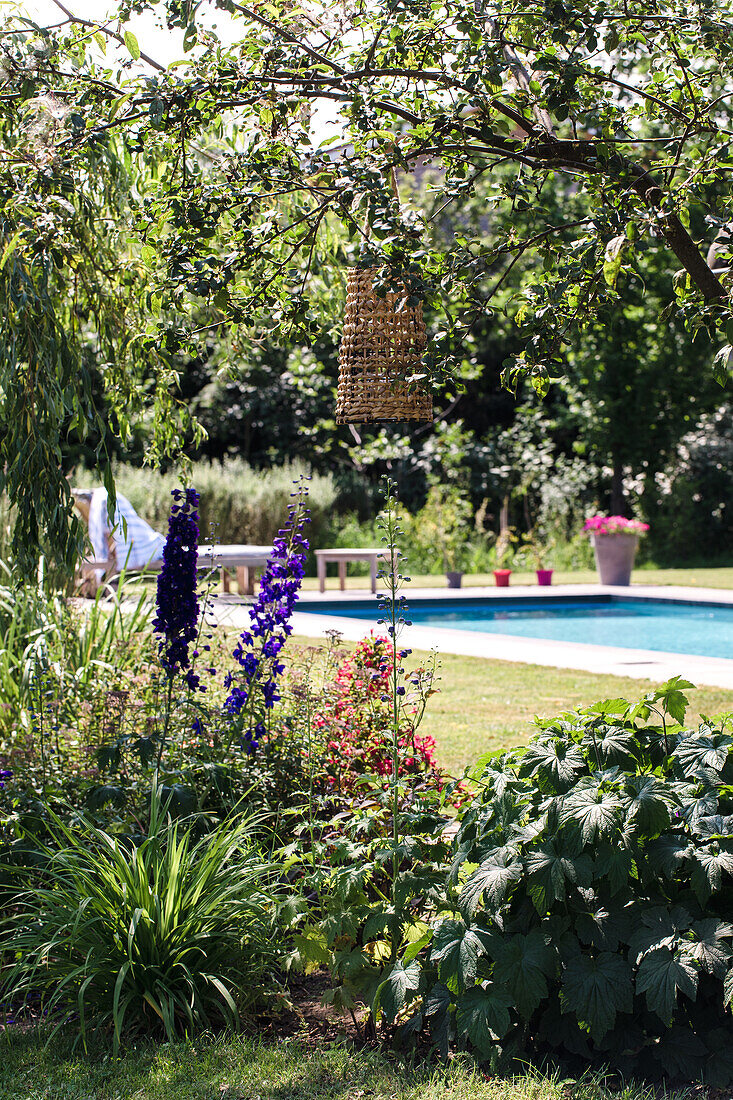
[381,349]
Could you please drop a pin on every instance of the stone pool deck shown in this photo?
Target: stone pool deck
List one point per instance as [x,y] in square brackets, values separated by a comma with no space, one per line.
[642,664]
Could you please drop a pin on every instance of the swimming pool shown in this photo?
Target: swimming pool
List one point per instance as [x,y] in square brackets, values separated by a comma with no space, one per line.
[669,626]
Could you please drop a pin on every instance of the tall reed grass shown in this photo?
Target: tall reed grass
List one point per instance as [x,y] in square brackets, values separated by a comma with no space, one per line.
[238,504]
[44,639]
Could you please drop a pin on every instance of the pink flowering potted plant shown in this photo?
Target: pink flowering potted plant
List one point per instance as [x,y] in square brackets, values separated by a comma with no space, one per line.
[614,540]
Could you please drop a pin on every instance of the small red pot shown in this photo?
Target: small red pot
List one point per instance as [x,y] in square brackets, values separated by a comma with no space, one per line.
[544,576]
[501,576]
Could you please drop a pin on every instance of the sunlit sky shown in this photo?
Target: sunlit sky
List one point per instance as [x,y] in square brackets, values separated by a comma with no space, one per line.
[157,41]
[163,45]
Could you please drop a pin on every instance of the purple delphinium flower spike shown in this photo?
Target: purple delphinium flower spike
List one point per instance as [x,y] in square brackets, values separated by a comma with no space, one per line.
[177,599]
[258,649]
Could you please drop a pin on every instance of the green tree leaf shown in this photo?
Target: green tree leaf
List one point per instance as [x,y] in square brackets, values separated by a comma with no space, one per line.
[132,45]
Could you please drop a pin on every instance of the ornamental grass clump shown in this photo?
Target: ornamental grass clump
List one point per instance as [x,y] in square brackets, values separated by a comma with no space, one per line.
[168,937]
[587,913]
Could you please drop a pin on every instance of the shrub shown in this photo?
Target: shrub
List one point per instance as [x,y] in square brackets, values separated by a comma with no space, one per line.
[689,505]
[353,716]
[589,899]
[237,503]
[165,936]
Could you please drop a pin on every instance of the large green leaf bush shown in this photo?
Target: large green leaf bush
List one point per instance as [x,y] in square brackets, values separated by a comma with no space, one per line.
[589,902]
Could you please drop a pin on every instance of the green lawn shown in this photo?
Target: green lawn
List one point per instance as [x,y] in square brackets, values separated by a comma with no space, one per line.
[697,578]
[237,1068]
[358,580]
[485,705]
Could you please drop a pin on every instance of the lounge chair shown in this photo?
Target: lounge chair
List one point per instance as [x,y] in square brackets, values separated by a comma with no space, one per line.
[133,546]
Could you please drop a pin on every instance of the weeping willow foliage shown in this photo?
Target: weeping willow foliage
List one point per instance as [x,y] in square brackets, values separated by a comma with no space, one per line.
[74,357]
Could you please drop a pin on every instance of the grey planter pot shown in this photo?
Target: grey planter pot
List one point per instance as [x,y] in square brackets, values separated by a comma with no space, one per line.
[615,557]
[454,579]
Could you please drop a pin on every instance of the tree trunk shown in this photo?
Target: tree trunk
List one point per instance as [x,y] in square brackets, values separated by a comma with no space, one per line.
[618,499]
[504,515]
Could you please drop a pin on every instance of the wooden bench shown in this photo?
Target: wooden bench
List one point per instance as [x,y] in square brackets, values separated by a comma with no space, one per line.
[342,557]
[244,559]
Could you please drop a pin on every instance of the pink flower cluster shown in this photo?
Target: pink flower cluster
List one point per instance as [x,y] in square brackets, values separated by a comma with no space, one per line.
[614,525]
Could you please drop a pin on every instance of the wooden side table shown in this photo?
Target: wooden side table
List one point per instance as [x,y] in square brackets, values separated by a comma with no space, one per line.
[344,555]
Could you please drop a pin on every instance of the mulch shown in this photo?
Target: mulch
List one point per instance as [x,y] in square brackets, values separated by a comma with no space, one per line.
[310,1020]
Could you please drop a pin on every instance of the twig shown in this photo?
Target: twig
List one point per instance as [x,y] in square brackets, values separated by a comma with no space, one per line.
[106,31]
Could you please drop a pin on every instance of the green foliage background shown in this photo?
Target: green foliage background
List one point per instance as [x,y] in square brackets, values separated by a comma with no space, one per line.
[174,240]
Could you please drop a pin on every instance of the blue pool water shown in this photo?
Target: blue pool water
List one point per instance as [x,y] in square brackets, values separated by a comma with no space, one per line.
[705,630]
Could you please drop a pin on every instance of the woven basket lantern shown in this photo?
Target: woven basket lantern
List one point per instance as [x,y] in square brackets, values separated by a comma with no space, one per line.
[381,348]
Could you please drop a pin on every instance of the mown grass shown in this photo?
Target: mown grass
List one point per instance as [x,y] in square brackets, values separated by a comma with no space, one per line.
[238,1068]
[485,705]
[721,577]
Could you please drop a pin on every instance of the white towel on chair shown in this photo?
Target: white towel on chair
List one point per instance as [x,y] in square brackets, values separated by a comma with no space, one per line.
[136,543]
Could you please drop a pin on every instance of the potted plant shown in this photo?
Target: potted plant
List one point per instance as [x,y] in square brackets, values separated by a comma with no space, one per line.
[614,540]
[537,552]
[446,520]
[503,552]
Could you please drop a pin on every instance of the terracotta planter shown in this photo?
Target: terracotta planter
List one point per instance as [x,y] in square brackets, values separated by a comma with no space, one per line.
[544,576]
[615,557]
[501,576]
[454,579]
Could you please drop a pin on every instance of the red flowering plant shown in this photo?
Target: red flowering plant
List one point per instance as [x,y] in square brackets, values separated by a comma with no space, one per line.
[354,717]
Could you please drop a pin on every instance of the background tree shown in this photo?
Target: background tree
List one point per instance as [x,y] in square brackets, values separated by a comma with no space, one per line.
[242,208]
